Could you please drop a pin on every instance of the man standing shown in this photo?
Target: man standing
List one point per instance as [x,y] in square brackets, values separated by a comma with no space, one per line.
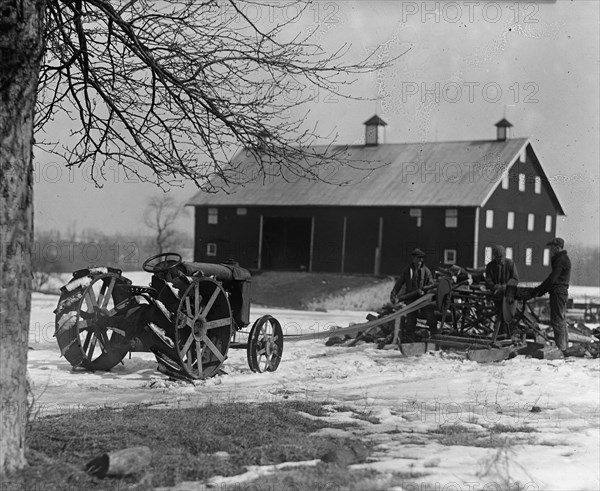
[499,270]
[414,278]
[497,274]
[557,284]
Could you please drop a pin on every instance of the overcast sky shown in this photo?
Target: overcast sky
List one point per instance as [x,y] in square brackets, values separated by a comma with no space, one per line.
[466,66]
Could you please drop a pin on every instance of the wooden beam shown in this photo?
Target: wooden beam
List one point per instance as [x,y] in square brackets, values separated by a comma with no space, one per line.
[425,300]
[476,239]
[312,243]
[260,241]
[344,243]
[377,269]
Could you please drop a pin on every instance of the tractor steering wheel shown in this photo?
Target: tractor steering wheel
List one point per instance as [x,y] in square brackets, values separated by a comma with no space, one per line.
[162,263]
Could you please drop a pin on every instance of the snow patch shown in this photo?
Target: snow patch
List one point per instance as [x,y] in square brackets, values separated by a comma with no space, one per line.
[83,282]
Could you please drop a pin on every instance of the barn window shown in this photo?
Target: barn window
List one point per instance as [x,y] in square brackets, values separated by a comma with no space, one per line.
[505,180]
[242,211]
[451,218]
[487,255]
[521,182]
[489,219]
[538,184]
[548,223]
[528,256]
[530,222]
[213,216]
[509,252]
[211,249]
[416,213]
[546,257]
[510,220]
[449,256]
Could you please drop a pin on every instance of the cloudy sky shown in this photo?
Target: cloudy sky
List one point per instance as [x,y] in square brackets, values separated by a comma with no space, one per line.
[466,66]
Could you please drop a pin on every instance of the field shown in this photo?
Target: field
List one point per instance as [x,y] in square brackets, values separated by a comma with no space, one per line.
[329,418]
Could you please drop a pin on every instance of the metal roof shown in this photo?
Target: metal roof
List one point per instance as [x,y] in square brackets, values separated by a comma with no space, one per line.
[504,123]
[375,120]
[407,174]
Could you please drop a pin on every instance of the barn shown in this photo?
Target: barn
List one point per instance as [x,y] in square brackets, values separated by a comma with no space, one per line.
[454,200]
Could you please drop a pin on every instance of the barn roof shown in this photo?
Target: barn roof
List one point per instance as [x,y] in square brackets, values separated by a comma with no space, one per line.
[461,173]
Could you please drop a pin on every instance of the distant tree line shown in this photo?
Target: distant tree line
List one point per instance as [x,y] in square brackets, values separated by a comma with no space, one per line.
[53,252]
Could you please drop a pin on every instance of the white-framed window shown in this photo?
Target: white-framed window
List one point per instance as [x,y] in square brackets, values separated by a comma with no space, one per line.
[538,185]
[489,219]
[523,155]
[548,227]
[509,252]
[505,180]
[546,257]
[213,216]
[530,222]
[241,211]
[521,182]
[487,255]
[510,220]
[416,213]
[528,256]
[211,249]
[451,218]
[449,256]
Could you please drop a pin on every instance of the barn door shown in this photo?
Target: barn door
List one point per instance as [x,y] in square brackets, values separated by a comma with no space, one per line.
[286,243]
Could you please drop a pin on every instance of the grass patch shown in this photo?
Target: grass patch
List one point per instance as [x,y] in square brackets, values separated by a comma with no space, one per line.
[183,443]
[324,477]
[456,434]
[327,291]
[500,428]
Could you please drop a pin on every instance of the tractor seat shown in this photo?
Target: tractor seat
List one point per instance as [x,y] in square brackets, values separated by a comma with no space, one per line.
[221,272]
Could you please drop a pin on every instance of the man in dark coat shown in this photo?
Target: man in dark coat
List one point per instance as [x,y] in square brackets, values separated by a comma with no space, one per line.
[499,270]
[414,278]
[557,283]
[497,274]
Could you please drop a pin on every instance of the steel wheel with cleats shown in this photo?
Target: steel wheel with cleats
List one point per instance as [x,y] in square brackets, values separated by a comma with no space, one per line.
[203,328]
[265,345]
[83,322]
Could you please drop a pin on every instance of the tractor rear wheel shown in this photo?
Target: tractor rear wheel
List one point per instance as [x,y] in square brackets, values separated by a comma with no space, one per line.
[203,328]
[83,322]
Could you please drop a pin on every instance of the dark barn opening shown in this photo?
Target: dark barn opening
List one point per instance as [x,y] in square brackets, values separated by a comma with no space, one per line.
[286,243]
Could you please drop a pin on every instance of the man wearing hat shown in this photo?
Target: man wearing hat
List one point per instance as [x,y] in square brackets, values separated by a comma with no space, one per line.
[414,278]
[557,284]
[498,272]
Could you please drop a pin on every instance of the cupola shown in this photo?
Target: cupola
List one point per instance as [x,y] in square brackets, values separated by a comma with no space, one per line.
[374,131]
[503,130]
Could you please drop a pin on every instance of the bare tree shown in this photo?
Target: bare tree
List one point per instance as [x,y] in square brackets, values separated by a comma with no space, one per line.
[169,90]
[160,216]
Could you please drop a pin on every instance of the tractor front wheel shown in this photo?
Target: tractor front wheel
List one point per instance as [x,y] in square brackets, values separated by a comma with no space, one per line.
[265,345]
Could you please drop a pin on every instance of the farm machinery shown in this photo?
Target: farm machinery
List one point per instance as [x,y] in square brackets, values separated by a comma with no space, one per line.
[188,317]
[487,326]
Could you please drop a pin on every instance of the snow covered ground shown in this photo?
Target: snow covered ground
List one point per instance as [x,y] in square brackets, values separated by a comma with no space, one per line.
[555,404]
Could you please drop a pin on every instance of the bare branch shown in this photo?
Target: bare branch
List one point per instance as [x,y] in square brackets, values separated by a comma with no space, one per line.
[173,90]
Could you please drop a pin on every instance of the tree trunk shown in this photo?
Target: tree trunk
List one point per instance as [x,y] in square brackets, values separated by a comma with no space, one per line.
[21,44]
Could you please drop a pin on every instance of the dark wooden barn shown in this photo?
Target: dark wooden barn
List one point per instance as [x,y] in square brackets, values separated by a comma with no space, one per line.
[454,200]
